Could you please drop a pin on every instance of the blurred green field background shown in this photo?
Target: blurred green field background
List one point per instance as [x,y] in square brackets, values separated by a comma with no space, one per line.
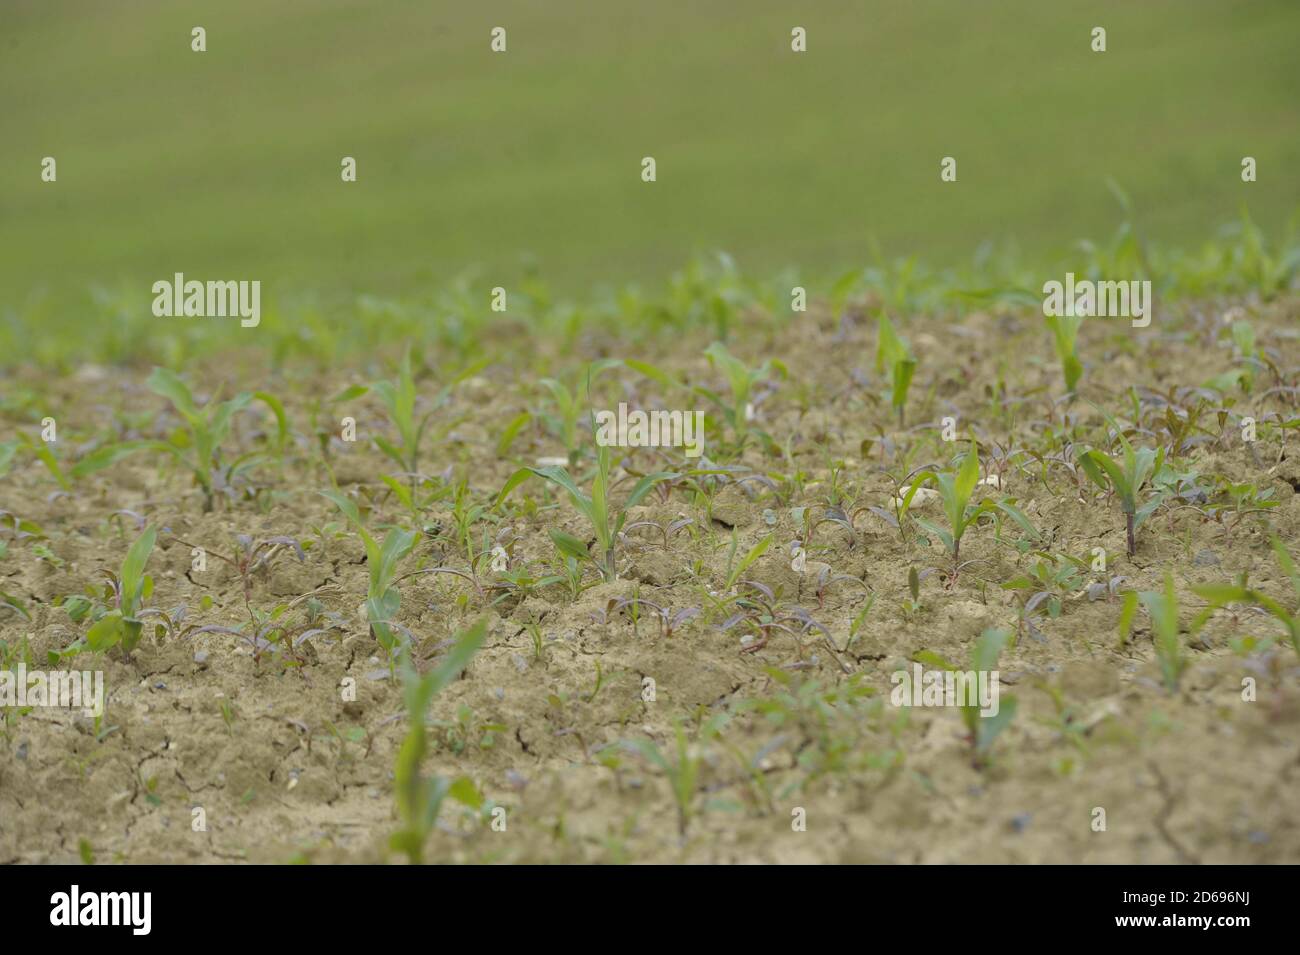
[226,164]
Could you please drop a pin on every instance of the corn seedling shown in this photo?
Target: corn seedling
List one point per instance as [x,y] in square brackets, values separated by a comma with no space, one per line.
[1126,477]
[595,507]
[121,624]
[734,568]
[981,730]
[741,380]
[1162,608]
[571,404]
[382,598]
[894,359]
[682,767]
[197,446]
[398,398]
[1065,332]
[41,451]
[859,620]
[420,798]
[956,490]
[1220,595]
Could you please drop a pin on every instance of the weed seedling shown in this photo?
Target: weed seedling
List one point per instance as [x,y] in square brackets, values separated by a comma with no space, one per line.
[251,556]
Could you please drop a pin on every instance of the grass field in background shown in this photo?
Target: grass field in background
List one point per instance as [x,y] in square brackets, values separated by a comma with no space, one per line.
[226,163]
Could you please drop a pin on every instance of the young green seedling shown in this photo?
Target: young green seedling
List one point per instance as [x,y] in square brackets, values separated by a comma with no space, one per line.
[420,798]
[398,398]
[1065,331]
[683,772]
[894,358]
[199,447]
[594,507]
[982,725]
[1220,595]
[956,490]
[41,451]
[570,404]
[382,598]
[1127,477]
[1162,608]
[741,379]
[122,625]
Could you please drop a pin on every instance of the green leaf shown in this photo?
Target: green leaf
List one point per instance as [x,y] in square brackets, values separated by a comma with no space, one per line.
[917,482]
[988,727]
[106,632]
[1093,462]
[931,659]
[1288,565]
[754,554]
[391,450]
[46,456]
[400,490]
[988,647]
[281,419]
[344,504]
[890,349]
[463,790]
[969,474]
[903,371]
[467,644]
[110,454]
[644,485]
[937,531]
[397,544]
[166,383]
[8,450]
[1126,614]
[350,393]
[569,545]
[132,581]
[653,373]
[1017,515]
[1221,594]
[517,424]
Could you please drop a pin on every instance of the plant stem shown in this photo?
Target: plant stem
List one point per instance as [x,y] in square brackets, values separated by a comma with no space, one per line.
[1132,548]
